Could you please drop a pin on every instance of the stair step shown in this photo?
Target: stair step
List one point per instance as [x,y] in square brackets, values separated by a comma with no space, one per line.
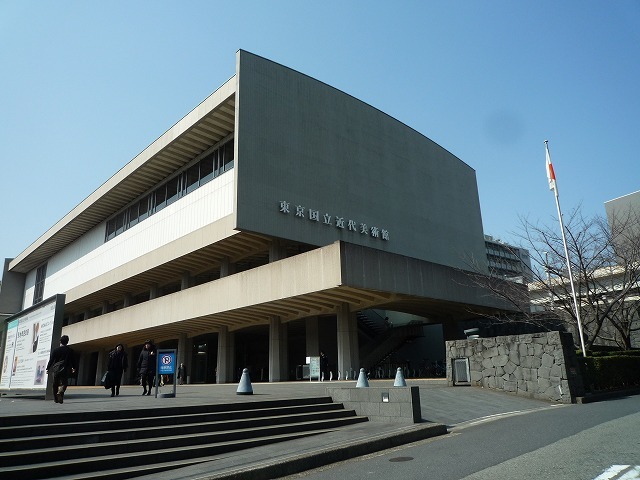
[84,465]
[114,444]
[136,432]
[137,471]
[170,418]
[159,412]
[100,448]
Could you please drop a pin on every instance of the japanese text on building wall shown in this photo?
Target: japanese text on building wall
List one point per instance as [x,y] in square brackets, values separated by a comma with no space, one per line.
[309,214]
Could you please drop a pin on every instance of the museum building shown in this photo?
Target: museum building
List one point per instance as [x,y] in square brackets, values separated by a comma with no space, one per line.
[272,222]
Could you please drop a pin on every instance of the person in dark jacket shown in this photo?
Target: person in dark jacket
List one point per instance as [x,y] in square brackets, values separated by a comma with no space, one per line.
[62,364]
[118,364]
[147,366]
[324,367]
[182,373]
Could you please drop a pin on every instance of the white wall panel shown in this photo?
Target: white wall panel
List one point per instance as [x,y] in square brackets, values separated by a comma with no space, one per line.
[89,256]
[29,287]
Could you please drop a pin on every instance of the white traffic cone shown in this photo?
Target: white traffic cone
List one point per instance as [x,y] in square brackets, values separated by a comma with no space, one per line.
[244,387]
[362,380]
[399,379]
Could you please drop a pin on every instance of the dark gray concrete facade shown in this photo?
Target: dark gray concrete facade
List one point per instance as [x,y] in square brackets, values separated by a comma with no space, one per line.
[306,143]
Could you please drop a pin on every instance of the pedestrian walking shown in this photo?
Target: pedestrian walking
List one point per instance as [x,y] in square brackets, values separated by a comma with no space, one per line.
[61,365]
[118,364]
[324,366]
[147,366]
[182,373]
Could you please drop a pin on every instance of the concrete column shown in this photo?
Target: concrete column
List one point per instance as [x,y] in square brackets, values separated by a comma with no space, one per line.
[188,356]
[353,338]
[84,375]
[128,300]
[346,360]
[130,376]
[105,307]
[284,352]
[153,291]
[87,314]
[231,353]
[312,337]
[183,343]
[226,267]
[186,281]
[276,252]
[101,367]
[274,349]
[223,355]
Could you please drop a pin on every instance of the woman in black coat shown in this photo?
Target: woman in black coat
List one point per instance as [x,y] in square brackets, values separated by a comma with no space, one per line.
[118,364]
[147,366]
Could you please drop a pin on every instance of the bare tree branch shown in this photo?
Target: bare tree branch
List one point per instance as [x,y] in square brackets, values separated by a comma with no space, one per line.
[605,263]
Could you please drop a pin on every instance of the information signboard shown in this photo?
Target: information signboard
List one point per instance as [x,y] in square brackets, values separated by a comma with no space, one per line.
[166,366]
[314,368]
[30,337]
[167,363]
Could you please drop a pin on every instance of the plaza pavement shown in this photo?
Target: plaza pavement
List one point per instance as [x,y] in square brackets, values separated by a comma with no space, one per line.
[454,407]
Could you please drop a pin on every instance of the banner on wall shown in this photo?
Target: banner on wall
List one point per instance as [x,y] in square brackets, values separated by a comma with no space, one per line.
[30,336]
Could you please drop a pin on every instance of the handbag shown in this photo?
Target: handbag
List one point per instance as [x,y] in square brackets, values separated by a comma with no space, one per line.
[106,380]
[59,367]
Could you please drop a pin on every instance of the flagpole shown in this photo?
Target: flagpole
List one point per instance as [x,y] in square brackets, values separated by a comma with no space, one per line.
[554,187]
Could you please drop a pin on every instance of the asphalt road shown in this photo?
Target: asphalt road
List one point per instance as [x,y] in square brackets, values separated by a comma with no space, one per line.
[573,442]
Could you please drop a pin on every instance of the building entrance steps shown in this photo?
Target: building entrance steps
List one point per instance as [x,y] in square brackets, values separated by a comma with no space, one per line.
[441,406]
[90,442]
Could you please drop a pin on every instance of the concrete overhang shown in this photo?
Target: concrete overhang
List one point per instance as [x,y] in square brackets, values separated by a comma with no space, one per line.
[315,283]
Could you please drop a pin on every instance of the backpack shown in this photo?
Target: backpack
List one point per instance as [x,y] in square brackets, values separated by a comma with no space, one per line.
[59,367]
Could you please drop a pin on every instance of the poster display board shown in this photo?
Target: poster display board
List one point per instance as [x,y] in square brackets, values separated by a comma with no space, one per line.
[314,367]
[30,336]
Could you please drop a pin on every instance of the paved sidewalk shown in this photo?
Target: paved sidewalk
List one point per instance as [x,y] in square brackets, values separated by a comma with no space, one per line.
[440,405]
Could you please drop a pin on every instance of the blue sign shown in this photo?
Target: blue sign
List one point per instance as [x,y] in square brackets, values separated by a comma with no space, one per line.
[167,363]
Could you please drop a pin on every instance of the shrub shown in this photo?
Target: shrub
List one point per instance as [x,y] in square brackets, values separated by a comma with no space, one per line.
[611,372]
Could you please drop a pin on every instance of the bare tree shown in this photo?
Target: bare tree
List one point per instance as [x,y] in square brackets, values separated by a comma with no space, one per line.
[605,262]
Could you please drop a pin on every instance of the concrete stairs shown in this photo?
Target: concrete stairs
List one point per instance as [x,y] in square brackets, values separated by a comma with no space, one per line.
[388,342]
[370,325]
[117,444]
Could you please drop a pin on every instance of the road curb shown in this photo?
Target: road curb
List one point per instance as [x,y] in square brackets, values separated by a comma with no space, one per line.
[331,454]
[601,396]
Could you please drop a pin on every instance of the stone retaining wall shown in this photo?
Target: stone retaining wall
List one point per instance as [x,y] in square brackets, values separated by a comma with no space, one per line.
[538,365]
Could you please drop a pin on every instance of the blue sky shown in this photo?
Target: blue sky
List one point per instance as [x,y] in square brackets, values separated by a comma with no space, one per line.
[85,86]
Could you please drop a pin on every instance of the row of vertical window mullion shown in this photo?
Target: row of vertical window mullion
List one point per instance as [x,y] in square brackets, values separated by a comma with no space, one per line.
[220,160]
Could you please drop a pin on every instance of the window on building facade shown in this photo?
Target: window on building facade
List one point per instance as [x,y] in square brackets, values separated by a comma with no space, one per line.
[38,291]
[194,176]
[206,169]
[160,198]
[173,190]
[228,156]
[133,214]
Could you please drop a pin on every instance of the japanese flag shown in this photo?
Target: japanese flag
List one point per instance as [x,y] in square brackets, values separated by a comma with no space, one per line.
[551,176]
